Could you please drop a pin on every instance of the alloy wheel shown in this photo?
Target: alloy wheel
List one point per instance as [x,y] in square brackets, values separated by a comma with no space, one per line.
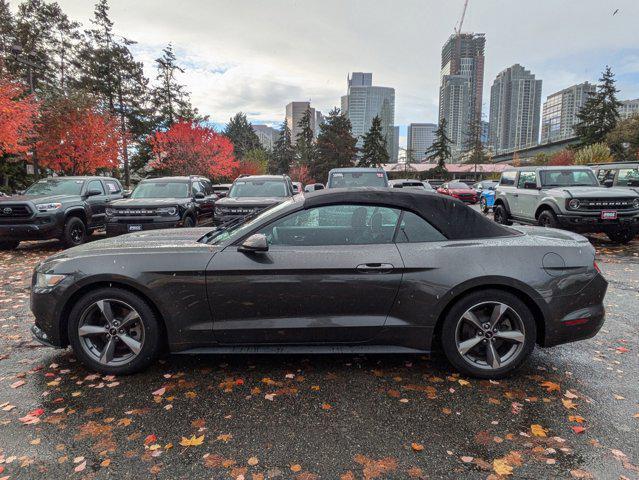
[111,331]
[76,234]
[490,335]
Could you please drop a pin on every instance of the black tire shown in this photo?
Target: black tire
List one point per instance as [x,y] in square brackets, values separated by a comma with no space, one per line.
[483,205]
[547,218]
[189,222]
[8,245]
[622,237]
[75,232]
[476,299]
[152,339]
[501,215]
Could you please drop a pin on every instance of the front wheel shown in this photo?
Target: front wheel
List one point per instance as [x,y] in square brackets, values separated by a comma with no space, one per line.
[9,245]
[622,237]
[75,232]
[547,219]
[189,222]
[488,334]
[501,215]
[115,332]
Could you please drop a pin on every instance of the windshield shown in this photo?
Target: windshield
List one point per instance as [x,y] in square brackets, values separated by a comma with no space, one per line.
[243,226]
[161,190]
[258,188]
[457,185]
[55,187]
[568,178]
[357,179]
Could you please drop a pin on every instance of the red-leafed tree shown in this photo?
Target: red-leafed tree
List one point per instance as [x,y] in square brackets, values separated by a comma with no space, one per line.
[17,118]
[300,173]
[187,148]
[562,158]
[76,138]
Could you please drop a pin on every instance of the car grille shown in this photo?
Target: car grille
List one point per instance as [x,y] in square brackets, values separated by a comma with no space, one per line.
[241,210]
[15,211]
[134,212]
[466,196]
[608,203]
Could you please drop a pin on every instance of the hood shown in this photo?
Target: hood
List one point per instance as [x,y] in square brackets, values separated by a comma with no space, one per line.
[149,202]
[593,192]
[39,198]
[230,202]
[149,241]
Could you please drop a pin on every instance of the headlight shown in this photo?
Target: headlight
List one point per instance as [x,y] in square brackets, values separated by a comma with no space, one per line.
[221,210]
[109,211]
[167,211]
[574,203]
[48,207]
[45,280]
[635,203]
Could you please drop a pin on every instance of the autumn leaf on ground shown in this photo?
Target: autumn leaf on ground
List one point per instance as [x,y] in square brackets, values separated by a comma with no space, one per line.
[569,404]
[159,392]
[17,384]
[538,430]
[576,418]
[224,437]
[192,442]
[551,386]
[296,468]
[417,447]
[253,461]
[326,406]
[501,467]
[578,429]
[150,439]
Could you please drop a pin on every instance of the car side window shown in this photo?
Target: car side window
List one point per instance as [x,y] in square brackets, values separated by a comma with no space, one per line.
[507,179]
[113,187]
[414,229]
[628,177]
[334,225]
[197,187]
[527,179]
[208,188]
[96,185]
[605,174]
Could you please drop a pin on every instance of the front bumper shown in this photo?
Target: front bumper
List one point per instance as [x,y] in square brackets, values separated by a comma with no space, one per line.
[592,222]
[39,228]
[39,335]
[120,226]
[45,306]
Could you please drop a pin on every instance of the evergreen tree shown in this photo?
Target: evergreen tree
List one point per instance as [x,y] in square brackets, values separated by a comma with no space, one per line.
[171,100]
[304,142]
[474,148]
[336,146]
[600,113]
[242,135]
[7,34]
[374,151]
[440,149]
[283,154]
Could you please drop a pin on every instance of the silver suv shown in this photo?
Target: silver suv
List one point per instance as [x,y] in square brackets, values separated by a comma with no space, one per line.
[569,198]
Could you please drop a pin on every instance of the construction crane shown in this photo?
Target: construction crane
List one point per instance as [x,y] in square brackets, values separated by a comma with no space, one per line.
[458,27]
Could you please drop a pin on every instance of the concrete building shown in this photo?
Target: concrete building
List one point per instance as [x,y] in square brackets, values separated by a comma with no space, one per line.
[560,112]
[485,132]
[515,104]
[629,108]
[363,102]
[267,135]
[294,113]
[461,85]
[420,137]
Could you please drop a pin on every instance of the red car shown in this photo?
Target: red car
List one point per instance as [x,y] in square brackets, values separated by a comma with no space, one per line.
[459,190]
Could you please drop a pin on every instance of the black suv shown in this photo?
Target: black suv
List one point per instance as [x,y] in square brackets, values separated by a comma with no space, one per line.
[250,194]
[167,202]
[67,208]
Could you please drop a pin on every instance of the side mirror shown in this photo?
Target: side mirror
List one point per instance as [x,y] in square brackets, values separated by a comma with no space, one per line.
[126,193]
[255,243]
[93,193]
[200,196]
[608,183]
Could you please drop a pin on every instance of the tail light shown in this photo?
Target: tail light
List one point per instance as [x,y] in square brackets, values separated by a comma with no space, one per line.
[594,264]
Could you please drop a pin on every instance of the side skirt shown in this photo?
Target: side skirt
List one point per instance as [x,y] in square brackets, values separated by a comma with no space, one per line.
[303,349]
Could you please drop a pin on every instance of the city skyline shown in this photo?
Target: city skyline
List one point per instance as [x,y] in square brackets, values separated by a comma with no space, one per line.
[255,68]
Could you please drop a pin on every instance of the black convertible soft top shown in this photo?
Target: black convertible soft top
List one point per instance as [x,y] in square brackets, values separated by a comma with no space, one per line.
[450,216]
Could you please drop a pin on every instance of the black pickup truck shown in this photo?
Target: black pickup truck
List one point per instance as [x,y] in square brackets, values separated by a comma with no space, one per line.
[66,208]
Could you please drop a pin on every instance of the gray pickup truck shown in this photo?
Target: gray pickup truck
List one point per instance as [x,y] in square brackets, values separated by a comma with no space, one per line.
[567,197]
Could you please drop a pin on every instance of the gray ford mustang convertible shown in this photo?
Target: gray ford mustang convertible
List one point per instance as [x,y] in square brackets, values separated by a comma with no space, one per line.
[344,271]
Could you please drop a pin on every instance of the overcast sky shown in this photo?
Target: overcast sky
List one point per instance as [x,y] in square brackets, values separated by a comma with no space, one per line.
[258,55]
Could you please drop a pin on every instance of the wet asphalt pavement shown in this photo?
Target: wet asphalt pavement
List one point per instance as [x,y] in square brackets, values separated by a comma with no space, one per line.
[571,412]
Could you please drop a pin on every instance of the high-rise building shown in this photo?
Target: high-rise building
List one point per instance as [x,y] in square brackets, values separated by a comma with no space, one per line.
[629,108]
[363,102]
[267,135]
[420,137]
[515,103]
[294,113]
[461,85]
[560,112]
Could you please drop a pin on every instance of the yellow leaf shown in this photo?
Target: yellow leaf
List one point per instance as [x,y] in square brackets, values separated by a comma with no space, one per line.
[417,447]
[501,467]
[576,418]
[463,382]
[551,386]
[192,442]
[224,437]
[253,461]
[569,404]
[326,406]
[296,468]
[105,463]
[538,430]
[124,422]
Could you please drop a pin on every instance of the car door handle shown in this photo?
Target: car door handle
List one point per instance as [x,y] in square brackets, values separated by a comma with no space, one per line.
[515,194]
[375,268]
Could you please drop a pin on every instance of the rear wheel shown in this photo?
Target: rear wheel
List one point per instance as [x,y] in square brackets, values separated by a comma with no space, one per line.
[621,236]
[501,215]
[114,331]
[547,218]
[488,334]
[9,245]
[75,232]
[189,222]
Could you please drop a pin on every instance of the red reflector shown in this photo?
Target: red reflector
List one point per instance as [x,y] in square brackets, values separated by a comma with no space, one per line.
[594,264]
[577,321]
